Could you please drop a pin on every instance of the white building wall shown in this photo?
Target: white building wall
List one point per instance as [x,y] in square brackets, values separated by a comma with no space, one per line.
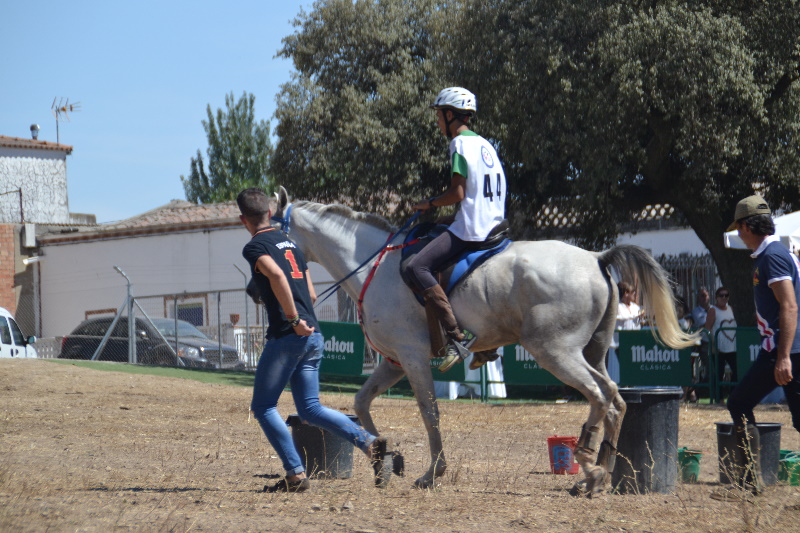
[667,241]
[42,176]
[80,277]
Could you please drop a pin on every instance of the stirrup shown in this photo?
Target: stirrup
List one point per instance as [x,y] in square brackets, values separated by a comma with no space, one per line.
[457,351]
[452,356]
[467,342]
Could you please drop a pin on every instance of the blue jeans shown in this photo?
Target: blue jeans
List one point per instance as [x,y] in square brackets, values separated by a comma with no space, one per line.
[760,381]
[295,359]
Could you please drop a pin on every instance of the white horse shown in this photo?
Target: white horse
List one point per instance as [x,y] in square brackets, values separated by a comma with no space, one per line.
[556,300]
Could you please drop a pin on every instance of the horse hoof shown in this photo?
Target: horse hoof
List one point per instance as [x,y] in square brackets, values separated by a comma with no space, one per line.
[578,489]
[595,481]
[424,483]
[398,464]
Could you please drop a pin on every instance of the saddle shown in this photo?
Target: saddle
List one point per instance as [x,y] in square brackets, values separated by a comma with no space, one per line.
[461,266]
[452,274]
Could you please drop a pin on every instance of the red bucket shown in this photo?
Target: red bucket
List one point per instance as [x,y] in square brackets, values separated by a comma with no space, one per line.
[562,460]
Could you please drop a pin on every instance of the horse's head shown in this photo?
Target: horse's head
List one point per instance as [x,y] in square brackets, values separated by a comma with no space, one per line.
[284,220]
[279,216]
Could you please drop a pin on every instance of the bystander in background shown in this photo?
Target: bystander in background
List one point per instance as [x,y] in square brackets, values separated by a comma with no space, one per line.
[629,317]
[720,317]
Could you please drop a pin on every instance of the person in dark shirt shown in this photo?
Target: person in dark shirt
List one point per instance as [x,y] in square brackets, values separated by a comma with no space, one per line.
[776,289]
[294,346]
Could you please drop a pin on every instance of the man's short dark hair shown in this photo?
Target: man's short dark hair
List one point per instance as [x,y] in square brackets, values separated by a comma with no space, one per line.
[761,225]
[255,205]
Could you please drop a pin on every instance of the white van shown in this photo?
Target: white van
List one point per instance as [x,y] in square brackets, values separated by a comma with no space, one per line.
[12,342]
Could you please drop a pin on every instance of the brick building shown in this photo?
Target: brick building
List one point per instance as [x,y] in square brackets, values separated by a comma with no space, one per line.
[33,198]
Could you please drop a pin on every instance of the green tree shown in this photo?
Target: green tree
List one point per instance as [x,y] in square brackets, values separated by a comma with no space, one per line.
[239,153]
[605,107]
[597,108]
[354,124]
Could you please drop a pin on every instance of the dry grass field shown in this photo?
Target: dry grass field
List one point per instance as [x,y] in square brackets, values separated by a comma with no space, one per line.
[89,450]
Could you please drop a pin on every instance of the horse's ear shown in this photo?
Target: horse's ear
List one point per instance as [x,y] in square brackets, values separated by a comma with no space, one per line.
[283,197]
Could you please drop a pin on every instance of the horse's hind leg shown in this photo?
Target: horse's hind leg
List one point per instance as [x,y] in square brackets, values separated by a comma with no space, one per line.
[595,354]
[607,456]
[572,369]
[386,375]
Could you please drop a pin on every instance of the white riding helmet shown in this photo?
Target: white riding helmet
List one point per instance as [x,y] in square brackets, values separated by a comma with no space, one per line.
[456,98]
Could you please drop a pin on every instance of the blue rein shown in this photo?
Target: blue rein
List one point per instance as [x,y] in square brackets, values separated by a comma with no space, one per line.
[327,293]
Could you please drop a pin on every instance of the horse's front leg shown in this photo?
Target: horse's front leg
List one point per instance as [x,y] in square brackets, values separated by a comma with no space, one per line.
[386,375]
[418,370]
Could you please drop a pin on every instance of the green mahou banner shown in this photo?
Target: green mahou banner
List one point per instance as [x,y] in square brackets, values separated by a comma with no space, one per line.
[645,361]
[344,349]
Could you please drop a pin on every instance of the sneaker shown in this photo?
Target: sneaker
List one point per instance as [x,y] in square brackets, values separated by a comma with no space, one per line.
[381,467]
[452,356]
[301,485]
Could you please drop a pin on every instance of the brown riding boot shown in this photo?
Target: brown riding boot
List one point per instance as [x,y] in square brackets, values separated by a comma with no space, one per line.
[436,299]
[435,332]
[457,348]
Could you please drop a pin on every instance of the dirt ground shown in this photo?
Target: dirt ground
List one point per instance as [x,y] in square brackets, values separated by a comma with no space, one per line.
[89,450]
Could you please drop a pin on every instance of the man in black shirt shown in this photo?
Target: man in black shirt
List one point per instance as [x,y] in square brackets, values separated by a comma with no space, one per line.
[294,346]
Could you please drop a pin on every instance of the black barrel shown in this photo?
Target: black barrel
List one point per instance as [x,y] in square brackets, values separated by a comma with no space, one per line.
[770,450]
[324,454]
[647,450]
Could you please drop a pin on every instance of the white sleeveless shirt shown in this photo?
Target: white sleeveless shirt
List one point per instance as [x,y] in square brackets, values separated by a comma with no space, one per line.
[726,340]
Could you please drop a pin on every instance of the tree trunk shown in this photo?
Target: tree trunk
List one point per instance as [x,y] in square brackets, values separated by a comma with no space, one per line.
[734,267]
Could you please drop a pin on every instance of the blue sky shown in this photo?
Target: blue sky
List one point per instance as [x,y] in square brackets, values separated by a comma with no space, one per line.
[143,73]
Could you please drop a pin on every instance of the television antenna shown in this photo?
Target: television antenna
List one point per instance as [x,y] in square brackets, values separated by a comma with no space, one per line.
[62,108]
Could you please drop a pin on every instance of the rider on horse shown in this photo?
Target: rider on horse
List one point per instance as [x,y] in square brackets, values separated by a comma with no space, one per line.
[478,185]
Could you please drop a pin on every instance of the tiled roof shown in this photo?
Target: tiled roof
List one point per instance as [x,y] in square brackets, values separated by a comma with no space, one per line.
[179,212]
[18,142]
[552,217]
[176,216]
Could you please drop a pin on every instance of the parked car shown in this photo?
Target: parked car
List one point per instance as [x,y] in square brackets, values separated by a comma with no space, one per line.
[194,348]
[12,342]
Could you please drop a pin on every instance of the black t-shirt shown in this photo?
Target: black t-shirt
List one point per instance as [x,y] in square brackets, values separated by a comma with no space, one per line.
[291,260]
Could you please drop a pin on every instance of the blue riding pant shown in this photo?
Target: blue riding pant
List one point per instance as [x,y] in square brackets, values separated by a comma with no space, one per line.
[760,381]
[295,359]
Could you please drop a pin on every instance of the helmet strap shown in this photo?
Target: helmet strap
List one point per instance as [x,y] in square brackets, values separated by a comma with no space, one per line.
[447,123]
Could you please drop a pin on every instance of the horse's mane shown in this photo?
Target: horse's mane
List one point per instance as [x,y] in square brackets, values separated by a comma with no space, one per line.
[376,221]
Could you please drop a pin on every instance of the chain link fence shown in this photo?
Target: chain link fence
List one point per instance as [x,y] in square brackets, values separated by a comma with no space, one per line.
[214,330]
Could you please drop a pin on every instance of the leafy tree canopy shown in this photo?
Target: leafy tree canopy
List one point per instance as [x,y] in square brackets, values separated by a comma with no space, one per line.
[596,107]
[239,153]
[354,123]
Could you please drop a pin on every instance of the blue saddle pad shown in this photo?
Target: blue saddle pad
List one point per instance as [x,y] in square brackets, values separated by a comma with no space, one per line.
[458,269]
[469,261]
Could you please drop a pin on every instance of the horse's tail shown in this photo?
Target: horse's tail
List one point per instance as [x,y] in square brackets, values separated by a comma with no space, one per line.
[637,266]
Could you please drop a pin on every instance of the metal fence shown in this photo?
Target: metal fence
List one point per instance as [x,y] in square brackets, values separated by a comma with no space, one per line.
[690,273]
[214,329]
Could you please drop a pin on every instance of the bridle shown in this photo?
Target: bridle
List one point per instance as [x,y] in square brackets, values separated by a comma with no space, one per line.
[285,226]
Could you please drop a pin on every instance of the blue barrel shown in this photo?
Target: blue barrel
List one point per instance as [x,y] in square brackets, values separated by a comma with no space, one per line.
[324,454]
[647,450]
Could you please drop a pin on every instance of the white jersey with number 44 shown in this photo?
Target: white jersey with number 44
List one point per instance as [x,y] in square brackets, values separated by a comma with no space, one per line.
[484,204]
